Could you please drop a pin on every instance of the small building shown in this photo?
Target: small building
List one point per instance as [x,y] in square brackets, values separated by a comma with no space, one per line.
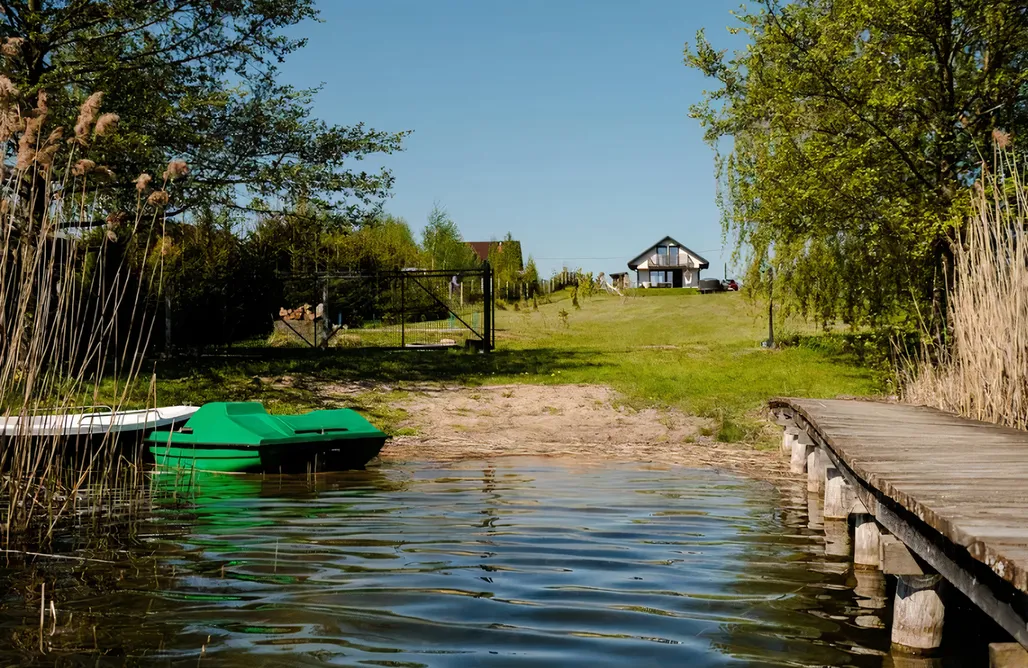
[619,280]
[668,264]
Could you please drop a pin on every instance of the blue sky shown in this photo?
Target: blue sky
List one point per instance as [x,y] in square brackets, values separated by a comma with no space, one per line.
[564,122]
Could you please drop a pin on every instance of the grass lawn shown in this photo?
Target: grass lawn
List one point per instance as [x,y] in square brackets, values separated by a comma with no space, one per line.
[698,353]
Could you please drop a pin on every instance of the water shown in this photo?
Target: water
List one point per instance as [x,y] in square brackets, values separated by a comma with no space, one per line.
[506,562]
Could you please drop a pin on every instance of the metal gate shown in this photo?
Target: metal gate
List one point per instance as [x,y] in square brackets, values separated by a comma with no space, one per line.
[413,308]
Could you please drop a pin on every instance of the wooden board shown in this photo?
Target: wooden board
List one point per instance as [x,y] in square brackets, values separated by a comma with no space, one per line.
[966,479]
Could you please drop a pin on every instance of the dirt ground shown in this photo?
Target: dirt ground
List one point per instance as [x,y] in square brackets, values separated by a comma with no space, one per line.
[578,421]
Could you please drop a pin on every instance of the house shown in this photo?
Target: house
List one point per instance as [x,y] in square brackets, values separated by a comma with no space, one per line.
[482,248]
[495,250]
[668,264]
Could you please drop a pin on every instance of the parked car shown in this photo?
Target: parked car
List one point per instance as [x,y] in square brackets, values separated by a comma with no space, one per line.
[708,285]
[730,285]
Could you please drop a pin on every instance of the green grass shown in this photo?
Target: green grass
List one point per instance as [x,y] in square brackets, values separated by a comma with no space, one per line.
[698,353]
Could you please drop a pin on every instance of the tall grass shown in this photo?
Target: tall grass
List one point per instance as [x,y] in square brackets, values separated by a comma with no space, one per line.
[983,371]
[72,306]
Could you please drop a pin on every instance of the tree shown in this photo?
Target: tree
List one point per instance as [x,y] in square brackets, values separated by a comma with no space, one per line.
[443,245]
[531,276]
[855,128]
[385,243]
[193,80]
[507,263]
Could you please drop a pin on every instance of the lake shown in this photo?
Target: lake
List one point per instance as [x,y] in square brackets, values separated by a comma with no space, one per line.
[488,563]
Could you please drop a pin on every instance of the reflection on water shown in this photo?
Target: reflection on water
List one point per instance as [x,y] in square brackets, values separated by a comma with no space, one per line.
[498,563]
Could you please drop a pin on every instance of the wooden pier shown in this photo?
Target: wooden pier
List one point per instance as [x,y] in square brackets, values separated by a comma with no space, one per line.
[933,499]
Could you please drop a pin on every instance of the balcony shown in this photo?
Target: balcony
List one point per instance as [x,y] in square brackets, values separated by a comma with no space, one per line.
[665,261]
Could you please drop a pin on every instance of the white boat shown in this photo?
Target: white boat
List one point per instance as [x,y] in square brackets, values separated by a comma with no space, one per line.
[96,421]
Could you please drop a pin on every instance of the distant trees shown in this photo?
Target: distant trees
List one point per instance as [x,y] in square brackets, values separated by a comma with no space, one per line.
[506,260]
[226,281]
[847,137]
[384,244]
[443,245]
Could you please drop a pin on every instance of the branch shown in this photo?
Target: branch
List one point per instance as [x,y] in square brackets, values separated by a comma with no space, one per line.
[839,96]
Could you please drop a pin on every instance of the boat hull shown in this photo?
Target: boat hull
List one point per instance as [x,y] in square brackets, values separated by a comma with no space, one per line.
[334,455]
[75,449]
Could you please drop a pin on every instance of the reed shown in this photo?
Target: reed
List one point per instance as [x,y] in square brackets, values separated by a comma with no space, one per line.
[73,296]
[982,372]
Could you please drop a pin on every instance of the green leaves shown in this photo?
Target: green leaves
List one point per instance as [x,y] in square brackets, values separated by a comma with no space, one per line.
[443,245]
[196,80]
[846,132]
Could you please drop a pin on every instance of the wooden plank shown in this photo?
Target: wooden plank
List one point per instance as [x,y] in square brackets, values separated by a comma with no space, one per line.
[920,483]
[1007,655]
[959,477]
[896,559]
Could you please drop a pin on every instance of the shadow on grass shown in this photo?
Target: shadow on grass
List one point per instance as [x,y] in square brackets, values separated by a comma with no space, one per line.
[376,366]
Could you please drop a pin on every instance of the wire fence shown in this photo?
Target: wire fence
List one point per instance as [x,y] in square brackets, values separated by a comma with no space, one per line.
[401,309]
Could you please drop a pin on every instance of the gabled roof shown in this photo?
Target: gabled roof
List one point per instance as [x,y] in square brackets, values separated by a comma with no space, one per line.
[633,264]
[481,248]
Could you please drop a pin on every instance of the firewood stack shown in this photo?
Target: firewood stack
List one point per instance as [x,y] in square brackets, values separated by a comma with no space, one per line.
[303,313]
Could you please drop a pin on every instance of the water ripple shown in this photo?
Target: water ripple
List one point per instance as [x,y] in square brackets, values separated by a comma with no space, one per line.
[512,562]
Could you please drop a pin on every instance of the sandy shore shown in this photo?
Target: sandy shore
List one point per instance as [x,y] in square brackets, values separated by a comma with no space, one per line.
[578,421]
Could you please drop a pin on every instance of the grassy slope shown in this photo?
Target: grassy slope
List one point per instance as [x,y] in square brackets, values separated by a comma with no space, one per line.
[700,353]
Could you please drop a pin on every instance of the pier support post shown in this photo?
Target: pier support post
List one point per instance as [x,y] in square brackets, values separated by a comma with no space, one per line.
[918,612]
[866,538]
[789,437]
[816,460]
[1007,655]
[800,450]
[837,537]
[815,519]
[839,495]
[870,589]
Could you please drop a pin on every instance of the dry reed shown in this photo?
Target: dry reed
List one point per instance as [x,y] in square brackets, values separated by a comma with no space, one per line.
[983,372]
[71,317]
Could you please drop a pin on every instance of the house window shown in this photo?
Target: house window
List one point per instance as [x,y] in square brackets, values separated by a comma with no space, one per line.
[672,252]
[657,277]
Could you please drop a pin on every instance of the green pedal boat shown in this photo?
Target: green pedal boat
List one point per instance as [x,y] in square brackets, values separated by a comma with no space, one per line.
[242,437]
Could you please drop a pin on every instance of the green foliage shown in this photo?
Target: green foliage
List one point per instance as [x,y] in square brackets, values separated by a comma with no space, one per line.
[384,244]
[508,268]
[193,79]
[219,288]
[847,134]
[443,245]
[531,277]
[227,284]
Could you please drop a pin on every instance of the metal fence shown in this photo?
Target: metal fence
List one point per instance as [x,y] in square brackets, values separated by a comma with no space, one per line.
[413,308]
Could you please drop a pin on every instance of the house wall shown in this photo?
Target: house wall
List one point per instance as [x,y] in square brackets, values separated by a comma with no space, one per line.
[690,277]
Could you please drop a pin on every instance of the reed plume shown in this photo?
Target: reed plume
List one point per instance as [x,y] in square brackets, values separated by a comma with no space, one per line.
[176,169]
[73,321]
[106,124]
[87,114]
[143,182]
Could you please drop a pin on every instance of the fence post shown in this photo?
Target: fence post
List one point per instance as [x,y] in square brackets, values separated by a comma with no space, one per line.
[403,310]
[487,307]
